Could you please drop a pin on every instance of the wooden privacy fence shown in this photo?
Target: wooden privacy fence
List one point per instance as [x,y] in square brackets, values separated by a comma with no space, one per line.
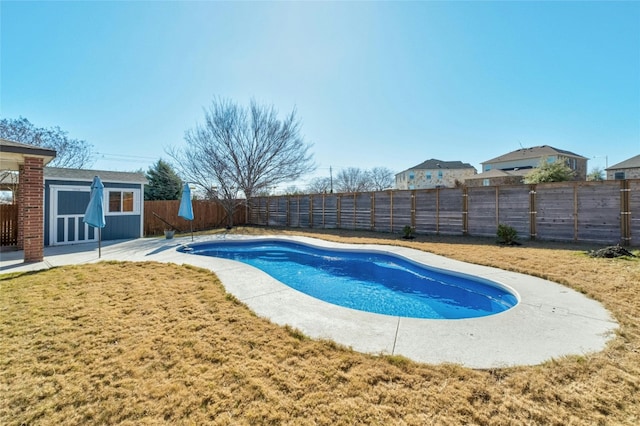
[206,215]
[602,212]
[9,224]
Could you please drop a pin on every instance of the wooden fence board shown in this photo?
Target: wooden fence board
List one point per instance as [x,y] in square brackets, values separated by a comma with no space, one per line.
[426,221]
[303,213]
[450,214]
[363,211]
[598,209]
[555,218]
[513,208]
[347,211]
[9,224]
[330,211]
[401,210]
[482,211]
[382,211]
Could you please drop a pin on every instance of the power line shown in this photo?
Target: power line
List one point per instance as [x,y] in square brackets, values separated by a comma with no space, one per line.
[122,156]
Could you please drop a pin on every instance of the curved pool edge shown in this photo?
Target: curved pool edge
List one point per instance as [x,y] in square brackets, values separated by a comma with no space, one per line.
[550,321]
[370,250]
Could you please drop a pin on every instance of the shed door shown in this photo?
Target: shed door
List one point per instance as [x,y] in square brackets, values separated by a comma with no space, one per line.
[67,212]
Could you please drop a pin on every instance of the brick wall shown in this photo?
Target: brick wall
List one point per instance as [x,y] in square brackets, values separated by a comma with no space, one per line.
[31,213]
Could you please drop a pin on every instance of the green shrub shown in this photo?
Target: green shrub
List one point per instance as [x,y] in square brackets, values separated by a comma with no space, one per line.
[507,235]
[408,232]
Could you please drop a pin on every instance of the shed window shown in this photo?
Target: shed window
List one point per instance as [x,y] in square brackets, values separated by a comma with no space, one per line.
[123,202]
[618,176]
[439,174]
[428,175]
[411,175]
[486,182]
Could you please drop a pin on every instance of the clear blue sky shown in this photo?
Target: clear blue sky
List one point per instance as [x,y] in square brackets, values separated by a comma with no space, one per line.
[374,83]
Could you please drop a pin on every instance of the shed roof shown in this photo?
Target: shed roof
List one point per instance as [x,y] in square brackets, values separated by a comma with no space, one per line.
[631,163]
[533,152]
[87,175]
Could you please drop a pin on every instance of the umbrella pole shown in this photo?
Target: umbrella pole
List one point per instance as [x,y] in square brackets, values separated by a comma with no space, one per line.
[99,243]
[191,230]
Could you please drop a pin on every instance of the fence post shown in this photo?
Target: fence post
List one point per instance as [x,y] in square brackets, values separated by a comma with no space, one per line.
[391,211]
[413,209]
[339,211]
[288,211]
[575,212]
[373,210]
[497,206]
[437,211]
[465,211]
[625,212]
[532,212]
[355,210]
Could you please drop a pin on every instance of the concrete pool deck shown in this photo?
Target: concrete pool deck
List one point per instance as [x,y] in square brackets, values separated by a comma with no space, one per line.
[550,321]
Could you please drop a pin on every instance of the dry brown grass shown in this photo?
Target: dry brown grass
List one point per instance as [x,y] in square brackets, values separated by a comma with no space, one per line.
[147,343]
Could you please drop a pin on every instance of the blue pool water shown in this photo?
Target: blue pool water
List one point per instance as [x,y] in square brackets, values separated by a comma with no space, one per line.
[368,281]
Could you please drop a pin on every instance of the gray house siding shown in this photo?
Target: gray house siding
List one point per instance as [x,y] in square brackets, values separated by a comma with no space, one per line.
[66,202]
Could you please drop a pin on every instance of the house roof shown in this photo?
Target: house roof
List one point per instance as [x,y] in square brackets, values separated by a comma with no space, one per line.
[13,153]
[496,173]
[631,163]
[439,164]
[533,152]
[87,175]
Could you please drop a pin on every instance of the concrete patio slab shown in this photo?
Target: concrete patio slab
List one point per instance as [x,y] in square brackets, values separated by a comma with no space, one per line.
[550,321]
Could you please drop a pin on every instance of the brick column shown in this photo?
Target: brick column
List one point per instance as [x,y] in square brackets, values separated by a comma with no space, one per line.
[31,209]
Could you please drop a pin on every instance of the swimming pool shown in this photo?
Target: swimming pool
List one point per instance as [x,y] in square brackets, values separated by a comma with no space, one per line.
[368,281]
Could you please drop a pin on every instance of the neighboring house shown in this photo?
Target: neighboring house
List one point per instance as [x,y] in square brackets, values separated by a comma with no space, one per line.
[66,196]
[530,158]
[497,177]
[628,169]
[435,174]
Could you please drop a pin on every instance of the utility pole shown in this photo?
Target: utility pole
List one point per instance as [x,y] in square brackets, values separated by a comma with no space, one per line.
[331,180]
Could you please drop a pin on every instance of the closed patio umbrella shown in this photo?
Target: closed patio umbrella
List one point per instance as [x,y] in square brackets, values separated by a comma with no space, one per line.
[186,209]
[94,215]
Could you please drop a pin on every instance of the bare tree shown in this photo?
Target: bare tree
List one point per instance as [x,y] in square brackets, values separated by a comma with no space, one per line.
[353,179]
[319,185]
[70,153]
[243,150]
[381,178]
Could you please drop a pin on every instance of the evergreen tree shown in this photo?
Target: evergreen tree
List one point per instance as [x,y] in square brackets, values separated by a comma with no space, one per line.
[164,183]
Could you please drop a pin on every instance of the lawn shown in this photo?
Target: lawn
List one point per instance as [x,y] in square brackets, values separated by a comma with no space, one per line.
[149,343]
